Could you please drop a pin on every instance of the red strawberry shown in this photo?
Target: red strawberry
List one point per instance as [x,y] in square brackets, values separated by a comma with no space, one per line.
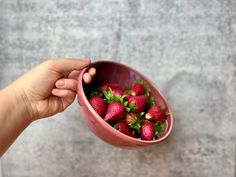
[98,105]
[147,131]
[112,85]
[115,111]
[123,128]
[155,113]
[139,102]
[133,121]
[131,118]
[117,92]
[137,89]
[126,92]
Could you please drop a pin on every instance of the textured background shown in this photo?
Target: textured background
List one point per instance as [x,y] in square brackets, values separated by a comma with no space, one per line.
[188,48]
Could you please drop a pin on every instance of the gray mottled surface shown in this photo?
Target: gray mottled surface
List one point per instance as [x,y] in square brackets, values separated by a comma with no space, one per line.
[188,48]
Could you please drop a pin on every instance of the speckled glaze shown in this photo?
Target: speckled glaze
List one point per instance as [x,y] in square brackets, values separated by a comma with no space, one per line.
[110,71]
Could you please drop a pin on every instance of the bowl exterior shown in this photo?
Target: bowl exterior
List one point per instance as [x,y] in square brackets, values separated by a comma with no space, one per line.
[123,74]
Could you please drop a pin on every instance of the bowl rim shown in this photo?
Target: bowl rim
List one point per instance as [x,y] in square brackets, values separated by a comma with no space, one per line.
[100,119]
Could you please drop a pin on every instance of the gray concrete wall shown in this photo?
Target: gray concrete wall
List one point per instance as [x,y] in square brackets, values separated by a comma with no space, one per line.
[188,48]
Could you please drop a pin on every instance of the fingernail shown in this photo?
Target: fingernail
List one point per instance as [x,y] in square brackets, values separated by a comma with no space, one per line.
[60,83]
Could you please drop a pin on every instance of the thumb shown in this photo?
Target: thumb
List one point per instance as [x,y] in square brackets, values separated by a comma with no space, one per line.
[67,65]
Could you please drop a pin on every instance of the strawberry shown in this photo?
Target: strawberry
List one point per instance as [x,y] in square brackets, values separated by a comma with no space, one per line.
[156,114]
[123,128]
[126,91]
[147,131]
[112,85]
[131,118]
[138,103]
[137,89]
[98,105]
[115,111]
[117,92]
[133,121]
[110,97]
[131,111]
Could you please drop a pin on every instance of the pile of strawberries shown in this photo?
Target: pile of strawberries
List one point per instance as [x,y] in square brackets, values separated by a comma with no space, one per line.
[131,111]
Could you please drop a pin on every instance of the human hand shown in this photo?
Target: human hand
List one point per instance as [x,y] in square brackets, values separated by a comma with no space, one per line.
[51,87]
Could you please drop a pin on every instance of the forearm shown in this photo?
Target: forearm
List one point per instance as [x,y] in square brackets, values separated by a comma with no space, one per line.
[14,116]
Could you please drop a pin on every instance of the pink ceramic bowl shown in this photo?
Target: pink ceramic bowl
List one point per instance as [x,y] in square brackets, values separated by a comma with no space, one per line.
[109,71]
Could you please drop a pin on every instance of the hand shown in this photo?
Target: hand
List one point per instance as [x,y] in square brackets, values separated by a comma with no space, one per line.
[51,87]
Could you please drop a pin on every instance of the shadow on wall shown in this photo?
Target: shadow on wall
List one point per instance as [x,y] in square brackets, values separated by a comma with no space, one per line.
[196,102]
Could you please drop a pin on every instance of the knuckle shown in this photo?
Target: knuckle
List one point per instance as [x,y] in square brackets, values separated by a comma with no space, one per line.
[51,62]
[71,83]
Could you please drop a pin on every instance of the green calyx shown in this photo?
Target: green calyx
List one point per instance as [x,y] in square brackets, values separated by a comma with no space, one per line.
[145,86]
[132,107]
[110,97]
[142,114]
[96,92]
[135,125]
[134,122]
[159,128]
[117,127]
[151,102]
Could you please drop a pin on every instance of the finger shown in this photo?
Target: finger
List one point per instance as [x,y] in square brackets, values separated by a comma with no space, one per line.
[92,71]
[67,96]
[63,93]
[67,65]
[74,75]
[87,78]
[69,84]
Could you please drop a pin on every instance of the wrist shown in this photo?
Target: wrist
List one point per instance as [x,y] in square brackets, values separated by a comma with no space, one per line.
[14,116]
[19,102]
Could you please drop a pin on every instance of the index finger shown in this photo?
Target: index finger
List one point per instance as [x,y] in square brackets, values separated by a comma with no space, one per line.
[67,65]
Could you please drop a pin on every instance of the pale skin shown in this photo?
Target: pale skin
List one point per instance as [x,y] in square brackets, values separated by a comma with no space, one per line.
[45,90]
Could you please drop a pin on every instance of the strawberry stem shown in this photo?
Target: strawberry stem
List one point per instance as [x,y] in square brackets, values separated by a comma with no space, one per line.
[117,127]
[142,114]
[110,97]
[126,103]
[135,126]
[132,106]
[127,109]
[96,92]
[159,128]
[145,86]
[151,101]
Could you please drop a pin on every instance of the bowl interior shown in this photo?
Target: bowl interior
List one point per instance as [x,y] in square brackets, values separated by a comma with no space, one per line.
[108,71]
[111,72]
